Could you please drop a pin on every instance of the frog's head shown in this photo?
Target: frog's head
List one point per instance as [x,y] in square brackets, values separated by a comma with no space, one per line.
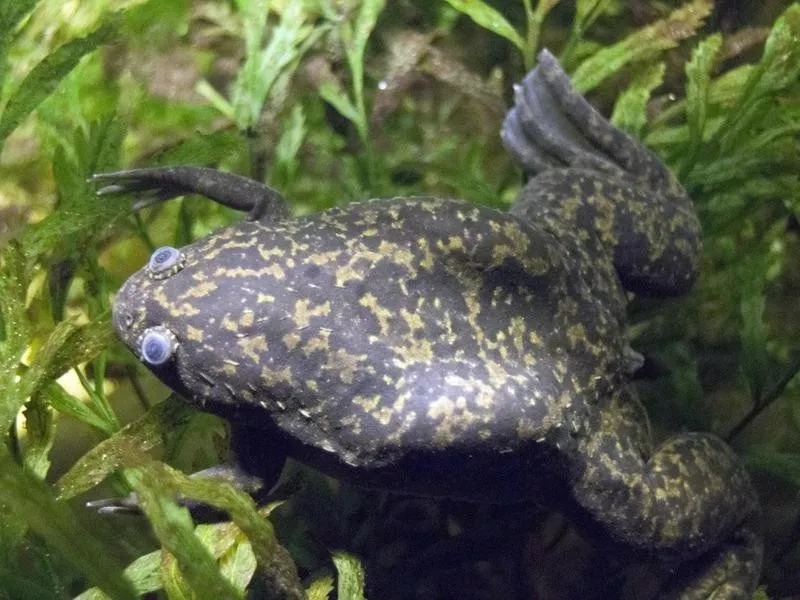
[174,316]
[145,321]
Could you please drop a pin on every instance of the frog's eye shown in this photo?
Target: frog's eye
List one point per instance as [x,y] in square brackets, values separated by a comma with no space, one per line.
[157,346]
[165,261]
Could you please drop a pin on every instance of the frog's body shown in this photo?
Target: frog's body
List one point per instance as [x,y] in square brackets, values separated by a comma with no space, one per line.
[439,348]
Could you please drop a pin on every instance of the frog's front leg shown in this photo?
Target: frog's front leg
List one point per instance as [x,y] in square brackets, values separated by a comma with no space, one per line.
[159,184]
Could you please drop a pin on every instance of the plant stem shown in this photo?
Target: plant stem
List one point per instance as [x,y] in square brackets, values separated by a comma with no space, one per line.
[766,400]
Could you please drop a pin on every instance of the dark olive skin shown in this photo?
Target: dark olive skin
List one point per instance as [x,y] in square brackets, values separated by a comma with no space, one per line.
[443,349]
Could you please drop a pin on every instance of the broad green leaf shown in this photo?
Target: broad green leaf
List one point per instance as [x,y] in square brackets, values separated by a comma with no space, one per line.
[779,68]
[238,563]
[367,17]
[41,431]
[320,588]
[67,346]
[698,73]
[144,574]
[350,582]
[630,109]
[14,330]
[488,18]
[275,563]
[197,570]
[644,44]
[11,13]
[287,148]
[124,447]
[31,502]
[45,77]
[333,93]
[67,404]
[263,66]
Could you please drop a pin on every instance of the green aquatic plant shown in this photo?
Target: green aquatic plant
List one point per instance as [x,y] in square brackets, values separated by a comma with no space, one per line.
[329,102]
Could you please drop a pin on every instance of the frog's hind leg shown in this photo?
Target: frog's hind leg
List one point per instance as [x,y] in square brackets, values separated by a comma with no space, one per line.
[162,183]
[598,189]
[689,502]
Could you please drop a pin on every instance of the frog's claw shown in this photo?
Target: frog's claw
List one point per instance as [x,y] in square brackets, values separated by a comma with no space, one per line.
[232,474]
[163,183]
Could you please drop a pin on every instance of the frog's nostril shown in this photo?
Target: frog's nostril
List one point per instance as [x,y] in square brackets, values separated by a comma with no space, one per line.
[165,261]
[157,345]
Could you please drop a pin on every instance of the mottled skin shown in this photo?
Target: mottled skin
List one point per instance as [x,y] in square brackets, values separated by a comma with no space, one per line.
[434,347]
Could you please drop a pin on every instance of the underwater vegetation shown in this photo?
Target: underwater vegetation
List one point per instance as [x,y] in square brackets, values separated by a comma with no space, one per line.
[332,102]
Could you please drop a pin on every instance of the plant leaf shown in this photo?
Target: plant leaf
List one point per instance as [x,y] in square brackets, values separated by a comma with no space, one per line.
[643,44]
[488,18]
[67,346]
[31,502]
[320,588]
[630,109]
[123,448]
[350,583]
[698,73]
[156,495]
[45,77]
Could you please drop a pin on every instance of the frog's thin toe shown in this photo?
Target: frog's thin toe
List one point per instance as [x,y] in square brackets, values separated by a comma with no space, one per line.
[128,505]
[516,141]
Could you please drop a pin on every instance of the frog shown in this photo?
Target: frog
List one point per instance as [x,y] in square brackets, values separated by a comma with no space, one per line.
[443,349]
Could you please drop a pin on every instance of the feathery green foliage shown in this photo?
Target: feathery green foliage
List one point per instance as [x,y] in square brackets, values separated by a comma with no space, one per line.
[332,102]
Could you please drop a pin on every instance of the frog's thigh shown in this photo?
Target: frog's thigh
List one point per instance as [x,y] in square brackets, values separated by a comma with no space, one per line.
[692,501]
[651,237]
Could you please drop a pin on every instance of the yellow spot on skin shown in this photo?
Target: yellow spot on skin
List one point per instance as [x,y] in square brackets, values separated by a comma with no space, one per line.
[576,334]
[368,403]
[413,320]
[194,334]
[400,402]
[229,369]
[317,343]
[274,376]
[184,309]
[290,340]
[441,408]
[253,346]
[262,298]
[229,323]
[344,363]
[268,253]
[303,312]
[312,385]
[383,415]
[347,273]
[323,258]
[247,318]
[276,271]
[427,261]
[383,315]
[199,291]
[517,331]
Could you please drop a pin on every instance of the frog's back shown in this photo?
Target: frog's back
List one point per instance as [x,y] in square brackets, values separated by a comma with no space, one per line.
[404,326]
